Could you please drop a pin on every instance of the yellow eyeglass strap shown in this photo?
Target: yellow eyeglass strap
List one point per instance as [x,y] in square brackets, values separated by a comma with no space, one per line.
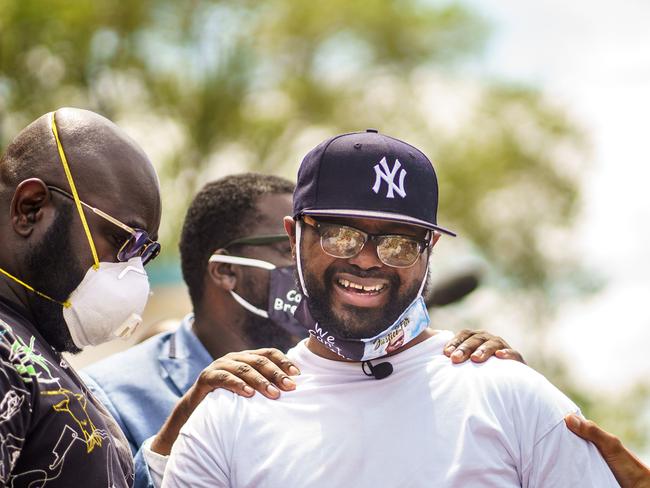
[65,304]
[73,189]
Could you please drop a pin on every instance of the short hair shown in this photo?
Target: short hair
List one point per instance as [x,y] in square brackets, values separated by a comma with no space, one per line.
[29,154]
[220,213]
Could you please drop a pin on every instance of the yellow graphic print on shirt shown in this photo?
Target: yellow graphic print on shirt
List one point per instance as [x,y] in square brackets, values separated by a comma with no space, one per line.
[74,404]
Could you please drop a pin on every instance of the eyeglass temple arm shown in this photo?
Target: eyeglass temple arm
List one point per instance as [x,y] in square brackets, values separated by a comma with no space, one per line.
[104,215]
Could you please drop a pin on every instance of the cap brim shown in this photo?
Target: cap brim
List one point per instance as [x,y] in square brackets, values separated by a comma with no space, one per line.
[373,214]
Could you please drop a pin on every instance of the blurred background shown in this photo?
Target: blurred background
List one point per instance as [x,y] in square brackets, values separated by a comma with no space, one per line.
[535,114]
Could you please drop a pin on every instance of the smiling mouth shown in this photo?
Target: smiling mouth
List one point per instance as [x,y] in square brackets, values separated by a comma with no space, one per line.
[362,289]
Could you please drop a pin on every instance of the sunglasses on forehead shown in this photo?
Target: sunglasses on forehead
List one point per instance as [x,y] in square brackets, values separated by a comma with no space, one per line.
[345,242]
[137,244]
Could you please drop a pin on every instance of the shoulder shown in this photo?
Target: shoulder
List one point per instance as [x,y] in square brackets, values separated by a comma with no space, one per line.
[134,362]
[514,389]
[21,354]
[506,376]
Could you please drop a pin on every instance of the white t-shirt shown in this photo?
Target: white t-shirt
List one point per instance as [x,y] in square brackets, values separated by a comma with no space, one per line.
[429,424]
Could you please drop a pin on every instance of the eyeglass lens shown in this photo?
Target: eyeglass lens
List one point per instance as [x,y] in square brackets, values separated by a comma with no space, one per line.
[346,242]
[139,244]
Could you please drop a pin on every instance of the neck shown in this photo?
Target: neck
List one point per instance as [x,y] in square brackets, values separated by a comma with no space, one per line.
[220,335]
[15,294]
[318,348]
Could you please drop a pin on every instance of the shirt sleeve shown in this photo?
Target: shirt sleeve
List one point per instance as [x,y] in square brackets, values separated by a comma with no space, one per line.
[198,456]
[101,395]
[16,388]
[561,458]
[149,466]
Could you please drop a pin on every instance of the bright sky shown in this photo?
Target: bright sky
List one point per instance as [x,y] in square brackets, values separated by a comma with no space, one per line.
[594,58]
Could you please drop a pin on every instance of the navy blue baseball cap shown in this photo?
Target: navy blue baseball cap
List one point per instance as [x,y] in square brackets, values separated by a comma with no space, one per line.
[368,175]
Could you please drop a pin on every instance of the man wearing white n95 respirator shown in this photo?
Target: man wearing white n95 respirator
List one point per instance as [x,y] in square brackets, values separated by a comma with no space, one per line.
[81,213]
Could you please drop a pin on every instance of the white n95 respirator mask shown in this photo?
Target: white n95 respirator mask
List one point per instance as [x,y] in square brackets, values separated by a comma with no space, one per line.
[108,303]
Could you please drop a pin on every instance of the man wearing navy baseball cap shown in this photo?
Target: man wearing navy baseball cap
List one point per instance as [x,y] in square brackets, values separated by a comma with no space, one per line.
[377,403]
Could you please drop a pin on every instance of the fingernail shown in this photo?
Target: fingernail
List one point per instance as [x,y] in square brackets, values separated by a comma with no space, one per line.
[294,371]
[288,383]
[457,354]
[272,390]
[449,348]
[248,390]
[478,354]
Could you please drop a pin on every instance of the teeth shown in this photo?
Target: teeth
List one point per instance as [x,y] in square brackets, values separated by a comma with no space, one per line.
[349,284]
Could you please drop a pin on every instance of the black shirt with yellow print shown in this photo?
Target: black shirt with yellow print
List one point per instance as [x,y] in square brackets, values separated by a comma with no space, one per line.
[53,432]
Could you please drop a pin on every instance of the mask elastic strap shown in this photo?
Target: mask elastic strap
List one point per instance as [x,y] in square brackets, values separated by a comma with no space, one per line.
[424,280]
[298,260]
[257,263]
[249,306]
[65,304]
[73,189]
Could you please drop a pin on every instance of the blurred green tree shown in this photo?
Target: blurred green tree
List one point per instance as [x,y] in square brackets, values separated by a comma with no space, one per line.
[216,87]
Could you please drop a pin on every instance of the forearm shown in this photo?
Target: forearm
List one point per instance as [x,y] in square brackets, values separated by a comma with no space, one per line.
[164,439]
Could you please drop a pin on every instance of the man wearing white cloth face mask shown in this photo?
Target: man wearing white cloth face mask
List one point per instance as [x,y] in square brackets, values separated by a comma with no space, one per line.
[82,213]
[377,402]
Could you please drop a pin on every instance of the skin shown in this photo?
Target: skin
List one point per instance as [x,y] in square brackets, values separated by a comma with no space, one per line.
[111,173]
[219,321]
[218,310]
[316,262]
[628,470]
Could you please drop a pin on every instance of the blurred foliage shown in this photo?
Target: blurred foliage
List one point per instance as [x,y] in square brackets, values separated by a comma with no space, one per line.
[225,86]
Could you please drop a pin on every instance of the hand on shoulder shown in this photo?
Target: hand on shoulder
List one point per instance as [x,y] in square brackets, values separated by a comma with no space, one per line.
[479,346]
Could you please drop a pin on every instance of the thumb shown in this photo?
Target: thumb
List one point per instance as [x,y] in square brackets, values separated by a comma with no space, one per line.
[575,425]
[606,443]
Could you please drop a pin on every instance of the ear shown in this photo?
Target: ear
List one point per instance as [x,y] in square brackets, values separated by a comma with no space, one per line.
[434,239]
[222,274]
[290,229]
[27,204]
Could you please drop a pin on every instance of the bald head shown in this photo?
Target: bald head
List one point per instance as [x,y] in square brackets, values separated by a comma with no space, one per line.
[100,154]
[106,164]
[44,242]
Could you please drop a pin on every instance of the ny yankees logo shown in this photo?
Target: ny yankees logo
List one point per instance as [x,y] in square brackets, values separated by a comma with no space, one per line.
[383,173]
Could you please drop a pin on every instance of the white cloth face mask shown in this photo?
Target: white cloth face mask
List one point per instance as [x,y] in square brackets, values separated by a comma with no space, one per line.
[108,303]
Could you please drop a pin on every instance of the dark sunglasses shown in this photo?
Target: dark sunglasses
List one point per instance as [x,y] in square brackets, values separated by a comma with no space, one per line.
[343,241]
[138,244]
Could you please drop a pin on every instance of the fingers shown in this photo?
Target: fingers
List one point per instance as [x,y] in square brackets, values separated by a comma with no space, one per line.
[509,354]
[457,341]
[278,358]
[216,376]
[479,345]
[608,444]
[629,470]
[243,373]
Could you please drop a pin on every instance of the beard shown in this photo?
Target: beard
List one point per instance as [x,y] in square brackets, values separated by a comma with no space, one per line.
[55,272]
[259,332]
[355,322]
